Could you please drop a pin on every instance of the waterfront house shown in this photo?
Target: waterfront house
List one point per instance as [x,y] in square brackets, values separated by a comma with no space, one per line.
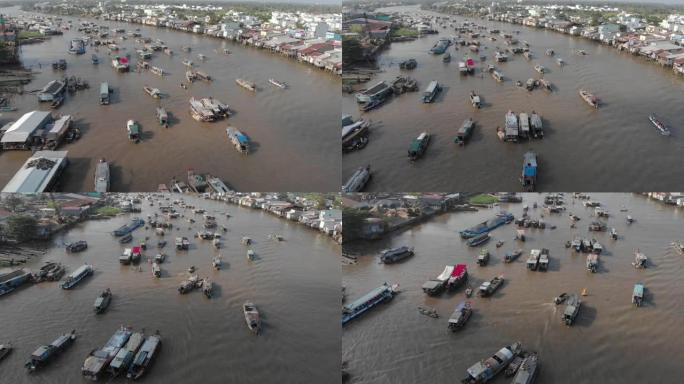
[20,134]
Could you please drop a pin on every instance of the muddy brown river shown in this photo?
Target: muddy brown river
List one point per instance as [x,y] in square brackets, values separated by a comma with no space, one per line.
[614,148]
[611,342]
[294,130]
[294,283]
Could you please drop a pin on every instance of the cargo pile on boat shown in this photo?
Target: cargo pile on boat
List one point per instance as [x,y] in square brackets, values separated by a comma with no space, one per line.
[208,109]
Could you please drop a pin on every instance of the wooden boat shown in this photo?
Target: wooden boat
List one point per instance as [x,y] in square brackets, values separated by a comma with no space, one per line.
[539,68]
[475,99]
[133,129]
[143,359]
[589,98]
[659,124]
[251,256]
[277,83]
[102,301]
[45,353]
[460,316]
[252,317]
[187,63]
[154,92]
[418,146]
[163,117]
[464,132]
[246,84]
[239,140]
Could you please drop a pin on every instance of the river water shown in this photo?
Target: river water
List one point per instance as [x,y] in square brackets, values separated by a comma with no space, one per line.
[294,131]
[295,284]
[614,148]
[611,342]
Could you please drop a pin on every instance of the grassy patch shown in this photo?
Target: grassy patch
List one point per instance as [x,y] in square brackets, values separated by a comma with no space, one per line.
[405,32]
[108,211]
[483,199]
[29,34]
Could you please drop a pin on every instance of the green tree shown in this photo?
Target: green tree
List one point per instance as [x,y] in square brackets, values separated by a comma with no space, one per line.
[21,228]
[351,51]
[353,221]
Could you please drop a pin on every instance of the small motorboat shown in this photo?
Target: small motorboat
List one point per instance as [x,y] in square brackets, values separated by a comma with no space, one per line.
[560,299]
[277,83]
[102,301]
[660,124]
[252,317]
[427,311]
[589,98]
[217,263]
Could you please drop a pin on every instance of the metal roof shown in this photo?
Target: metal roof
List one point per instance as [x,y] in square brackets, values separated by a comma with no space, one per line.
[31,179]
[22,129]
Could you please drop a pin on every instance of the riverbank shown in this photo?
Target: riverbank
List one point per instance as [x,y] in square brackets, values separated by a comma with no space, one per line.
[322,53]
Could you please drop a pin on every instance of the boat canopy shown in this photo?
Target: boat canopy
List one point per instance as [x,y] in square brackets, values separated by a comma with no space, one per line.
[638,290]
[448,270]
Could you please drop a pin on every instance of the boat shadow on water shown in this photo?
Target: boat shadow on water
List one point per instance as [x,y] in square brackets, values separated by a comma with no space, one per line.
[116,173]
[73,175]
[586,317]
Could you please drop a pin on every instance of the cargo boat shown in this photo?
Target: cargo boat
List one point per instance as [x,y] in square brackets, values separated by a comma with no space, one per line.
[464,132]
[45,353]
[572,308]
[483,257]
[239,140]
[498,76]
[77,276]
[133,130]
[511,127]
[452,277]
[536,126]
[640,260]
[182,243]
[489,287]
[478,240]
[592,262]
[132,226]
[440,46]
[394,255]
[544,260]
[163,117]
[102,176]
[460,316]
[377,92]
[487,226]
[103,301]
[144,358]
[528,371]
[98,361]
[121,64]
[51,91]
[431,92]
[529,172]
[358,180]
[475,100]
[511,256]
[252,317]
[77,246]
[524,122]
[12,280]
[361,305]
[418,146]
[124,357]
[533,260]
[638,295]
[104,93]
[485,370]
